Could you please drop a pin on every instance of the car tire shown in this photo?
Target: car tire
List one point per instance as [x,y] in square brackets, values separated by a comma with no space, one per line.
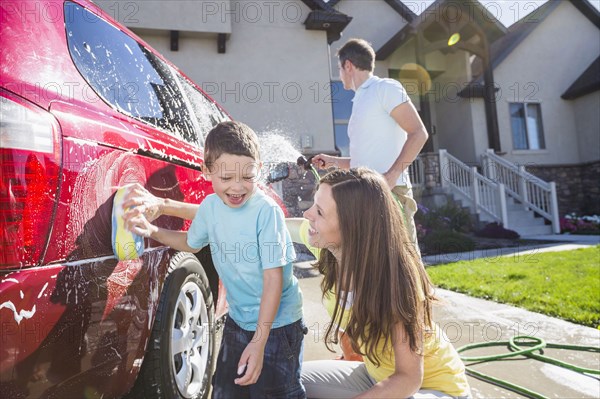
[179,360]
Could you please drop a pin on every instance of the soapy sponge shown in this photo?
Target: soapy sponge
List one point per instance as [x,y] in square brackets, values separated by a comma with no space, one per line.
[126,245]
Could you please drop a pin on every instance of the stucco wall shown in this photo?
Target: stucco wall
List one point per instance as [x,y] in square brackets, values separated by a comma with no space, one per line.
[274,74]
[587,119]
[374,21]
[454,123]
[540,69]
[193,16]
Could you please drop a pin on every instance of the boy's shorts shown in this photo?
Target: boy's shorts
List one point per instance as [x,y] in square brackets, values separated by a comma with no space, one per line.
[280,376]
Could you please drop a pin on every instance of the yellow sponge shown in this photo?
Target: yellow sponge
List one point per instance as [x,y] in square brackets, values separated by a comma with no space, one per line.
[126,245]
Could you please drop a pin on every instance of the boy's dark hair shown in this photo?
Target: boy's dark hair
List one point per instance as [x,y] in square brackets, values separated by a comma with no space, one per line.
[359,52]
[230,137]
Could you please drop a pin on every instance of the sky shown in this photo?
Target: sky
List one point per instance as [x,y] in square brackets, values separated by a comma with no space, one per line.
[506,11]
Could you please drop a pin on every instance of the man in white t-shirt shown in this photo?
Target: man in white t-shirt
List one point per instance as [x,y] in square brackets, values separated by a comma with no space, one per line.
[385,130]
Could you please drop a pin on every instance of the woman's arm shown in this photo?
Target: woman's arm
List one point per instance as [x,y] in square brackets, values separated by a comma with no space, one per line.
[293,226]
[152,207]
[298,228]
[408,374]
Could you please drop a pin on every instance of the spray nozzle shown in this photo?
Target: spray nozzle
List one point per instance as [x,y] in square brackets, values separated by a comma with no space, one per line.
[306,163]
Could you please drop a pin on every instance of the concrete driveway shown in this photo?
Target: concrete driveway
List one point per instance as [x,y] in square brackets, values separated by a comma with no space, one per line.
[466,320]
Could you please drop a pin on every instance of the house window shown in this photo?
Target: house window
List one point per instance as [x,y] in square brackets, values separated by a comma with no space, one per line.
[527,129]
[342,109]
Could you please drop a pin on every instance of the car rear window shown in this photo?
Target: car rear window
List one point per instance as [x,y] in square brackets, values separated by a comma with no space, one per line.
[129,77]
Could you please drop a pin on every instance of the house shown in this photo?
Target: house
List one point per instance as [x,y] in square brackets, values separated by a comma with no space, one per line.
[265,62]
[528,92]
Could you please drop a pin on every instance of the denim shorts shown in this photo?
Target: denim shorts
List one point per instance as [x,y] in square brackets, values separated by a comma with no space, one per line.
[280,376]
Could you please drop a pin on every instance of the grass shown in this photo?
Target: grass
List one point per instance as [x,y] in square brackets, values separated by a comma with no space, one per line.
[559,284]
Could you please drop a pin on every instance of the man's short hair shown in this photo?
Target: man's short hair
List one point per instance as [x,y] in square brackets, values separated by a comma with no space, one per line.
[231,137]
[359,52]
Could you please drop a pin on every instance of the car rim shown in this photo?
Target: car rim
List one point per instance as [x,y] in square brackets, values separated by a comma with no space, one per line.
[190,340]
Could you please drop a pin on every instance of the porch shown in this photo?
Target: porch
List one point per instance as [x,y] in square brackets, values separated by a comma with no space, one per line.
[494,190]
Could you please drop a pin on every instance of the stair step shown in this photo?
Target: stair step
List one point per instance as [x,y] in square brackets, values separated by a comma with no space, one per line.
[526,222]
[520,214]
[532,230]
[524,218]
[520,220]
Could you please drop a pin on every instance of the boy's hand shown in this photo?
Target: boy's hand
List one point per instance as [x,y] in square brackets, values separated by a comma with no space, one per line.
[252,358]
[136,222]
[137,196]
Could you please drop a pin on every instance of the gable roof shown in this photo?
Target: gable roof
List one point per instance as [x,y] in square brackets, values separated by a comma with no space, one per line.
[317,4]
[517,33]
[588,10]
[493,28]
[332,3]
[588,82]
[397,5]
[401,8]
[501,48]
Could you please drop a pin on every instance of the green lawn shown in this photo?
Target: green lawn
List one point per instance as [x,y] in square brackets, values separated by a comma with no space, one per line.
[560,284]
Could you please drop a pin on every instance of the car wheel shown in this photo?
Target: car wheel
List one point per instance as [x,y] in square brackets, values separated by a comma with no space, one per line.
[179,361]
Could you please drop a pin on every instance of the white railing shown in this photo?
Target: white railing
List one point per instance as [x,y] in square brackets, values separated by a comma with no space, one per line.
[416,172]
[531,191]
[483,195]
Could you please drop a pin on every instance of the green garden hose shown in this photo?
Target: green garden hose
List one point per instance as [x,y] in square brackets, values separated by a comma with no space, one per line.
[516,345]
[315,174]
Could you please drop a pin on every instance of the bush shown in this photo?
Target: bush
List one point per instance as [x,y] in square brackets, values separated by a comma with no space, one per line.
[574,224]
[496,230]
[447,241]
[447,217]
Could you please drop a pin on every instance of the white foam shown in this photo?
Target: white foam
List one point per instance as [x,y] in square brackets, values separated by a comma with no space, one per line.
[20,315]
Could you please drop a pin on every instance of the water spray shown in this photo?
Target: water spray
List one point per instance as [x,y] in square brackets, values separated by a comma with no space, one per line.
[281,170]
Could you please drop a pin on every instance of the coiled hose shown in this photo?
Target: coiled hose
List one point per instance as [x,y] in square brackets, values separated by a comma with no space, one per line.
[523,345]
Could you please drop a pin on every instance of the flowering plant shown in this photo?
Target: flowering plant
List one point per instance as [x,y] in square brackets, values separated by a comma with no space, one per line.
[447,217]
[574,224]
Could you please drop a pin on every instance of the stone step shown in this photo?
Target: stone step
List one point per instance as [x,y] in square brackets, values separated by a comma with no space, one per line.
[514,207]
[524,219]
[532,230]
[520,220]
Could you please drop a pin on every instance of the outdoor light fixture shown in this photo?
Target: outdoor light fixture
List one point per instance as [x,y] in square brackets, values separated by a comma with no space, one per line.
[455,38]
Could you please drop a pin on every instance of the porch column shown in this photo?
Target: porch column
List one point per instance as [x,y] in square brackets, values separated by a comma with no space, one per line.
[489,98]
[425,111]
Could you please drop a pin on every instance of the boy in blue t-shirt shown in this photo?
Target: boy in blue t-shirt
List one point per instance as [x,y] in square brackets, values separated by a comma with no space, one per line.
[252,252]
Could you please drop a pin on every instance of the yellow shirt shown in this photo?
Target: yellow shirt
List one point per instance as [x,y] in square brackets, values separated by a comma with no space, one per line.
[443,369]
[303,232]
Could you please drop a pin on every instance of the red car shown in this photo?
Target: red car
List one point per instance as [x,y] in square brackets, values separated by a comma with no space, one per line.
[86,106]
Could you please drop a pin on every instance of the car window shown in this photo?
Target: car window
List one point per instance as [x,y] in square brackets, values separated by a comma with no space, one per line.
[127,75]
[207,114]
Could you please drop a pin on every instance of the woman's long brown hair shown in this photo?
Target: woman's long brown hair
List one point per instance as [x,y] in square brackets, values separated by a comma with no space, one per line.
[379,265]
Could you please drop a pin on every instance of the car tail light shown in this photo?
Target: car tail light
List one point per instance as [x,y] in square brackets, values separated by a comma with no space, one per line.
[30,165]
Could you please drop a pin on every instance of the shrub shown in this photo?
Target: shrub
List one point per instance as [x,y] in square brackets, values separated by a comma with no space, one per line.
[447,217]
[574,224]
[447,241]
[496,230]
